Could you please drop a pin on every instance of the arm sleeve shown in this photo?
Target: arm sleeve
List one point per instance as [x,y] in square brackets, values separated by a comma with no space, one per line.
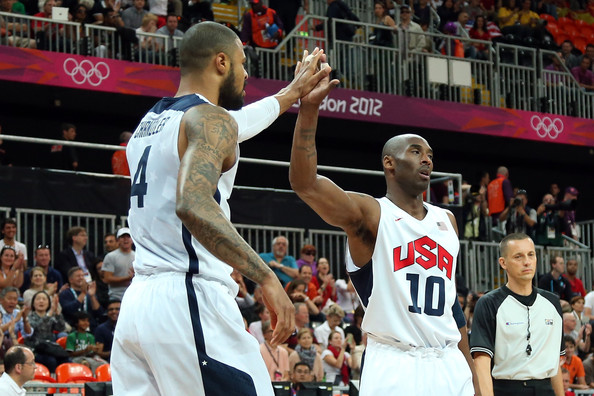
[108,264]
[70,344]
[458,315]
[484,324]
[255,117]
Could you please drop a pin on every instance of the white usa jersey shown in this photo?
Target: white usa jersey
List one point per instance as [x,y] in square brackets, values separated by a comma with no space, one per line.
[409,287]
[162,242]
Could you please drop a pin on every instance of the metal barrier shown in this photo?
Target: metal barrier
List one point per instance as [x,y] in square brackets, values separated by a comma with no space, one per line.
[583,257]
[586,230]
[47,227]
[517,77]
[42,388]
[103,42]
[5,212]
[260,237]
[559,92]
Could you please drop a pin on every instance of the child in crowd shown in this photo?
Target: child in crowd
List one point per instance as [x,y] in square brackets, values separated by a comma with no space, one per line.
[81,344]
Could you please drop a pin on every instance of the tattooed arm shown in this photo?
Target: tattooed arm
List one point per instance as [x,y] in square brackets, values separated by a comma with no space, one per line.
[357,214]
[207,147]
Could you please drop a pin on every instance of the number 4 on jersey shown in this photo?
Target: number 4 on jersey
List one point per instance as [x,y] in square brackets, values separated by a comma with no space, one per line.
[139,184]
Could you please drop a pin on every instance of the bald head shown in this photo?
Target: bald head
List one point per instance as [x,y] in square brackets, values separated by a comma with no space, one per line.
[397,145]
[502,170]
[203,41]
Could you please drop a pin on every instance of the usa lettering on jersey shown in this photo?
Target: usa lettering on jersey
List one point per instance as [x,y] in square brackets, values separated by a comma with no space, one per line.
[425,252]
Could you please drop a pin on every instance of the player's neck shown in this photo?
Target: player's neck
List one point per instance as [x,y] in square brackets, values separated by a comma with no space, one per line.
[412,206]
[520,288]
[192,86]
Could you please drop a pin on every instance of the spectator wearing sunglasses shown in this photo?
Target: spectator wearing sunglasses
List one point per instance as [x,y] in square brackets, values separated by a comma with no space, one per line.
[308,256]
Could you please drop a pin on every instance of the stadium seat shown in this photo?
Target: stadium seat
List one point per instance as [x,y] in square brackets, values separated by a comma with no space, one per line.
[62,342]
[553,28]
[548,18]
[570,30]
[103,373]
[580,24]
[561,37]
[74,373]
[580,43]
[563,21]
[42,374]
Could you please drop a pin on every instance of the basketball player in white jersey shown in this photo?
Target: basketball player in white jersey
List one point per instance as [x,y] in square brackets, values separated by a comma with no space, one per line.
[401,257]
[180,331]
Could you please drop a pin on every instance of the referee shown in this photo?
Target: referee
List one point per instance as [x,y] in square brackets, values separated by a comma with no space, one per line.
[517,331]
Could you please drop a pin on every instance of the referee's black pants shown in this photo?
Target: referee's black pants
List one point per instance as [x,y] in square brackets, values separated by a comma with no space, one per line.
[540,387]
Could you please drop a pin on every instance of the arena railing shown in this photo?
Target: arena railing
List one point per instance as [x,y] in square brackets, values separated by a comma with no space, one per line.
[559,92]
[586,230]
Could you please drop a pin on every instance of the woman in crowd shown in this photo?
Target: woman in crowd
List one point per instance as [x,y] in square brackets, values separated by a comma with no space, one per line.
[11,268]
[383,36]
[324,281]
[255,328]
[577,307]
[479,32]
[448,12]
[296,292]
[49,325]
[306,351]
[149,25]
[308,256]
[336,360]
[38,283]
[276,359]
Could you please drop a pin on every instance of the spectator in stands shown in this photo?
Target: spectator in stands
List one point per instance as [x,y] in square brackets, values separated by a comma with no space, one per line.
[518,216]
[570,227]
[527,17]
[80,297]
[199,11]
[284,266]
[117,270]
[422,11]
[41,29]
[11,268]
[577,287]
[301,322]
[81,15]
[9,230]
[474,9]
[573,364]
[307,352]
[577,309]
[170,29]
[81,344]
[554,281]
[469,48]
[9,298]
[476,210]
[567,55]
[589,370]
[132,16]
[547,7]
[354,329]
[244,299]
[42,259]
[255,328]
[549,223]
[8,336]
[583,74]
[339,10]
[589,54]
[324,282]
[297,293]
[275,358]
[16,32]
[110,242]
[416,38]
[448,12]
[311,290]
[346,297]
[148,45]
[19,363]
[102,287]
[507,15]
[479,32]
[383,36]
[308,256]
[287,11]
[334,315]
[261,27]
[159,9]
[38,283]
[301,373]
[499,193]
[47,320]
[75,255]
[336,360]
[65,157]
[104,332]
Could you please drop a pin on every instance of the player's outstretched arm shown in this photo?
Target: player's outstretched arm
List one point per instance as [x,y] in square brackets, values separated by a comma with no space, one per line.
[333,204]
[208,138]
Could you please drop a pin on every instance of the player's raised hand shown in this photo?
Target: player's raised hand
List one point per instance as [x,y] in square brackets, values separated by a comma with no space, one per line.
[282,312]
[308,72]
[324,86]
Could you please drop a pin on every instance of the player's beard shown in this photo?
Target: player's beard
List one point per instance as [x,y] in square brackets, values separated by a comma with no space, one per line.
[228,97]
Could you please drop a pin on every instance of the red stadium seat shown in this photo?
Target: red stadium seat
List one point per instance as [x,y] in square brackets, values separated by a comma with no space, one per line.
[553,28]
[580,24]
[62,342]
[571,30]
[548,18]
[74,372]
[580,43]
[565,21]
[103,373]
[560,38]
[42,374]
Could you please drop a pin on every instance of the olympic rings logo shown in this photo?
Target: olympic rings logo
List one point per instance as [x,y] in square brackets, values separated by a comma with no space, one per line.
[86,71]
[546,126]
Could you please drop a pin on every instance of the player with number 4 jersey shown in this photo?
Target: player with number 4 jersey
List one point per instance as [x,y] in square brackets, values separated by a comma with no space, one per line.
[401,256]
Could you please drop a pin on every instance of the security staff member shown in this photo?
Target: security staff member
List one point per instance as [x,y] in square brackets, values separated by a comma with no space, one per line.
[518,329]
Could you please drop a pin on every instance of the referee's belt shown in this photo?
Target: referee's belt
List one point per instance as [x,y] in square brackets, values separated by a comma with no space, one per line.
[531,383]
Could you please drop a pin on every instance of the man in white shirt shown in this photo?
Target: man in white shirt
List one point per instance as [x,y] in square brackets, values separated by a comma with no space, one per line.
[9,228]
[19,363]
